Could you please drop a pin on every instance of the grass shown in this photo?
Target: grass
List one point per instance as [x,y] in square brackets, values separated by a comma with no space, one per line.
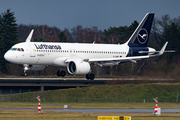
[126,96]
[54,115]
[125,93]
[89,105]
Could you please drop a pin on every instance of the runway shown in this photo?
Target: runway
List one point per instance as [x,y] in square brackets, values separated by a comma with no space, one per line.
[102,110]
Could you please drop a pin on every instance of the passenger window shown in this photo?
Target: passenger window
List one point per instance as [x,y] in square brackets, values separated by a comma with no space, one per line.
[22,49]
[18,49]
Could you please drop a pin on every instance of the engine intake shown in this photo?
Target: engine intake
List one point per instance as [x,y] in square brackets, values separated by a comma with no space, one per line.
[78,67]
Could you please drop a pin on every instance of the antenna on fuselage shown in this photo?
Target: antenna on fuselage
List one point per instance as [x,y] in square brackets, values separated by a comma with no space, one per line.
[30,36]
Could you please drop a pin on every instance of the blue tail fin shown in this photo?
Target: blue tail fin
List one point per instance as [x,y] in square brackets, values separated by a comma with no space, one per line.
[140,36]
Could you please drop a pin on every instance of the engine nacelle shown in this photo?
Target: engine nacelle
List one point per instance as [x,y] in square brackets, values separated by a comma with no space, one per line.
[36,67]
[78,67]
[60,61]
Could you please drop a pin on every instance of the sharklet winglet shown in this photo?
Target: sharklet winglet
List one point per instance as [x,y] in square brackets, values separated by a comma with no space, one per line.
[30,36]
[163,49]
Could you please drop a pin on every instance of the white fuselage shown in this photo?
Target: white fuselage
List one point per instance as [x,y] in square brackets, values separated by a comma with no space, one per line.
[46,53]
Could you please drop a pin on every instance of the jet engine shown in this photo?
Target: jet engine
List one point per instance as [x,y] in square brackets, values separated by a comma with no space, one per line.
[78,67]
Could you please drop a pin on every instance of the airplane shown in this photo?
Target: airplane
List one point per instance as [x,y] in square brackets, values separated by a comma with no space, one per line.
[78,57]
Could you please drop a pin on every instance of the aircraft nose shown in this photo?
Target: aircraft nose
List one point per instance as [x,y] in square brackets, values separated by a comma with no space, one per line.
[7,56]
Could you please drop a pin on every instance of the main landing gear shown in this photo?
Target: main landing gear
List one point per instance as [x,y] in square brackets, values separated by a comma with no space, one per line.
[61,73]
[90,76]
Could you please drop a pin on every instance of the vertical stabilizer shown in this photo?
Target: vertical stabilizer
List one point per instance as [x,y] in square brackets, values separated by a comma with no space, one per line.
[30,36]
[140,36]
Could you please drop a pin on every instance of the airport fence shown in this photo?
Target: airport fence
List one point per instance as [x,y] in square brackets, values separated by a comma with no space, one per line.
[87,99]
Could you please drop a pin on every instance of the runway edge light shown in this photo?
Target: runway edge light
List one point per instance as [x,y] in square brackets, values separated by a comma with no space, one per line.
[39,105]
[157,109]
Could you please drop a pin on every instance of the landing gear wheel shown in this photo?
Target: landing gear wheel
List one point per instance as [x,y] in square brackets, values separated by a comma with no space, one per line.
[90,76]
[24,74]
[87,76]
[61,73]
[58,73]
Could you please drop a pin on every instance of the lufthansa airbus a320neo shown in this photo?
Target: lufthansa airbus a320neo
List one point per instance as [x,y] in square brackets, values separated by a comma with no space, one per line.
[78,57]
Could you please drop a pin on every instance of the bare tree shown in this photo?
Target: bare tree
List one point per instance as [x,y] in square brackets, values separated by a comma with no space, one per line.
[47,33]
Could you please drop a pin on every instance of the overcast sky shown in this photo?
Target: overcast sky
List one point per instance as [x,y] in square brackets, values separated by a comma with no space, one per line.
[87,13]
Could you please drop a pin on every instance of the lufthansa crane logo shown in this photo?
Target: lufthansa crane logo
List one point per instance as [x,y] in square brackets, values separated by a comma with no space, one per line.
[142,36]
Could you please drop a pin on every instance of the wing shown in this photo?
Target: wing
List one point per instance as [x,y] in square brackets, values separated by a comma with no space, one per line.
[156,51]
[111,61]
[129,59]
[123,59]
[120,60]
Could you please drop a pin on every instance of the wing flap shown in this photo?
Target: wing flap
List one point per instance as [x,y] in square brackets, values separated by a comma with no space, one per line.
[123,59]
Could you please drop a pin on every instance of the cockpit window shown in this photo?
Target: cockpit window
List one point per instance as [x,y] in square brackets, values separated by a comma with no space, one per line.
[17,49]
[14,49]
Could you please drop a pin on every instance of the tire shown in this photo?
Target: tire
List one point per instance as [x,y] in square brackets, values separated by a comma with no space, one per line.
[91,76]
[87,76]
[24,74]
[58,73]
[63,73]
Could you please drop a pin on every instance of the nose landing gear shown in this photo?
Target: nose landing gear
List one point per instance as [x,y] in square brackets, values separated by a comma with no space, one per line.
[26,67]
[24,74]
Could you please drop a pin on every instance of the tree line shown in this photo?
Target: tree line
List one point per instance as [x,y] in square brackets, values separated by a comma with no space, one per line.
[163,29]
